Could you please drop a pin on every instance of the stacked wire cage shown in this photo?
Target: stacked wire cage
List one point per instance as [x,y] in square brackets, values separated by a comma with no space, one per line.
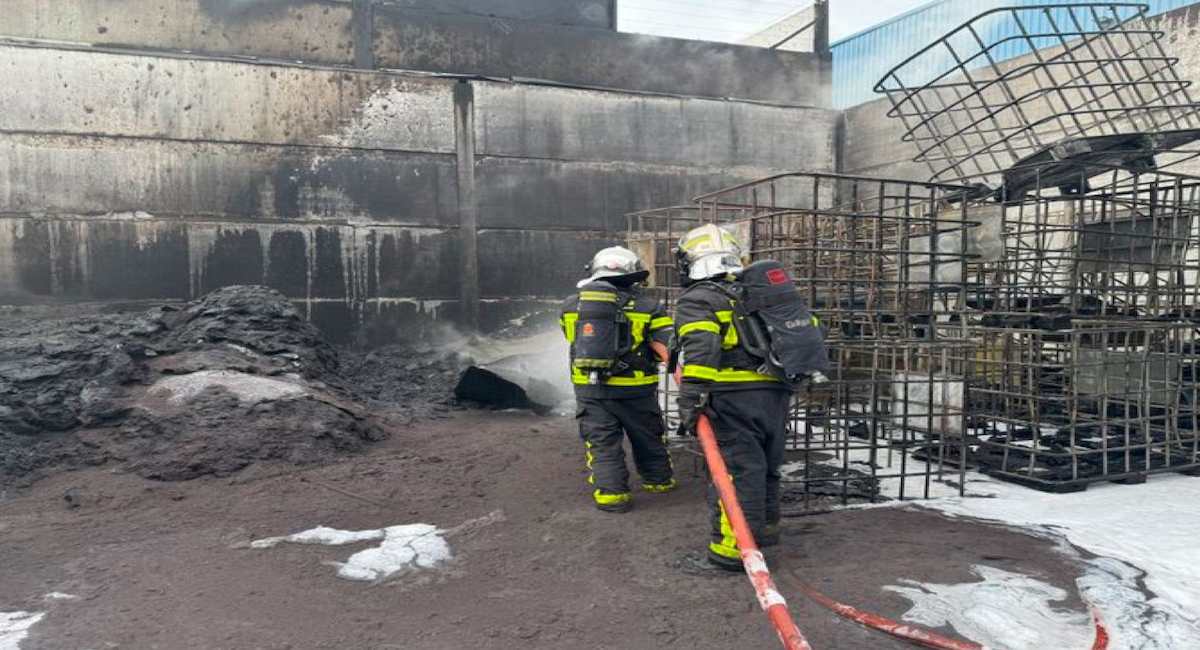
[1088,323]
[1084,290]
[883,265]
[653,235]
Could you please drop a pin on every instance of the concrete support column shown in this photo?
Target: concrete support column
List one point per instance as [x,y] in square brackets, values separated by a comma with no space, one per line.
[468,206]
[363,31]
[821,27]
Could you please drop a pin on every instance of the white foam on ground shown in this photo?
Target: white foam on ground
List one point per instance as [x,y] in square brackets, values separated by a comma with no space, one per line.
[402,548]
[1143,534]
[1004,610]
[1145,580]
[249,389]
[58,595]
[14,627]
[321,535]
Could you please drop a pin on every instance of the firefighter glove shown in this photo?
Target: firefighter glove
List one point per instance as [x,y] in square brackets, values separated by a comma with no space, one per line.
[692,402]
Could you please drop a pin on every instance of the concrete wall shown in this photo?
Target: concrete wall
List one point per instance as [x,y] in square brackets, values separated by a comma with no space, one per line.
[570,42]
[872,142]
[149,178]
[318,31]
[600,14]
[558,168]
[462,44]
[380,202]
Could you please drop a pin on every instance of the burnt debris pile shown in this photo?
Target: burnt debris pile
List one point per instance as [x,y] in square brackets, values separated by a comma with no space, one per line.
[413,382]
[175,393]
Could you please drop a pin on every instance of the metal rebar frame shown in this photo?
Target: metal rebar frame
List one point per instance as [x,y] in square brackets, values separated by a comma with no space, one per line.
[1049,339]
[883,265]
[1097,400]
[1118,243]
[653,235]
[1089,81]
[1085,314]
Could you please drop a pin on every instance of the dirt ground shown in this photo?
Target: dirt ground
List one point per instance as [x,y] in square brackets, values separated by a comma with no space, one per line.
[166,565]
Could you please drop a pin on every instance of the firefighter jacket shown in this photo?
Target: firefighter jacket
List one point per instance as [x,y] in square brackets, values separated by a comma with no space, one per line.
[709,349]
[648,321]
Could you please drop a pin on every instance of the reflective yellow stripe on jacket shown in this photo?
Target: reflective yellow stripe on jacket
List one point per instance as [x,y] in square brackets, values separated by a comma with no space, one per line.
[725,375]
[597,296]
[568,325]
[731,336]
[638,378]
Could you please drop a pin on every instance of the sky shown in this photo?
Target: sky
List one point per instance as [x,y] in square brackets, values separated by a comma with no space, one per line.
[732,20]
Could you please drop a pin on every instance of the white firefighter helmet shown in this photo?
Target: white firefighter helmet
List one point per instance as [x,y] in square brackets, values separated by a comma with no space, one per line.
[615,262]
[709,251]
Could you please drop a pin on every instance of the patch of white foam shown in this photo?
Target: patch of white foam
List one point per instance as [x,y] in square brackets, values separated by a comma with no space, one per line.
[58,595]
[1146,580]
[417,546]
[322,535]
[14,627]
[1133,618]
[402,548]
[1004,610]
[249,389]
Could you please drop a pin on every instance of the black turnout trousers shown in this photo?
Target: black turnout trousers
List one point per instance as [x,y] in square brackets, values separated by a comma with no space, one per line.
[751,431]
[604,423]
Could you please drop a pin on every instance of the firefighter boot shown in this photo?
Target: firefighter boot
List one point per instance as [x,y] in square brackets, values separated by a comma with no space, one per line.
[619,503]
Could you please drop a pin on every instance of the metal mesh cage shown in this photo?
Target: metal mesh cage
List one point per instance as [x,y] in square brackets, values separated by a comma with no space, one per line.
[1127,248]
[1095,84]
[1087,401]
[883,264]
[1084,313]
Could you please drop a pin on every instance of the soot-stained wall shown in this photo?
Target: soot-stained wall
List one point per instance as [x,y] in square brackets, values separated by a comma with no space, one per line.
[381,202]
[565,41]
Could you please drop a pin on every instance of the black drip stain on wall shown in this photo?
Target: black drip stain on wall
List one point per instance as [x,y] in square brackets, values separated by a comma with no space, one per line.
[236,258]
[288,267]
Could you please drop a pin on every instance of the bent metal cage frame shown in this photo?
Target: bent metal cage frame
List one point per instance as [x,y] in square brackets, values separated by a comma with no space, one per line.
[883,264]
[1092,80]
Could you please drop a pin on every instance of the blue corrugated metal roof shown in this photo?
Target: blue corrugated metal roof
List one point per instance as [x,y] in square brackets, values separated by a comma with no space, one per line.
[859,61]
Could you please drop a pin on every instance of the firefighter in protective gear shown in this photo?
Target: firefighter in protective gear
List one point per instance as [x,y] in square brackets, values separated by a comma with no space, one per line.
[748,409]
[618,337]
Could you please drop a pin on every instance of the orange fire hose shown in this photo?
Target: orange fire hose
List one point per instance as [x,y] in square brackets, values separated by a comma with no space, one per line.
[918,635]
[912,633]
[756,568]
[1101,642]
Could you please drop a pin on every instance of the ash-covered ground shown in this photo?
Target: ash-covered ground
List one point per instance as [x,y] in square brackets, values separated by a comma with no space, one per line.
[205,388]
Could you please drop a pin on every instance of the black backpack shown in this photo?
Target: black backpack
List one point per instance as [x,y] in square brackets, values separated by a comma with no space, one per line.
[775,325]
[602,332]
